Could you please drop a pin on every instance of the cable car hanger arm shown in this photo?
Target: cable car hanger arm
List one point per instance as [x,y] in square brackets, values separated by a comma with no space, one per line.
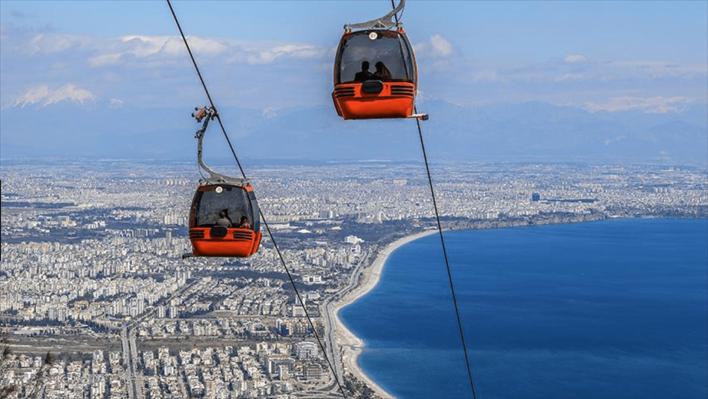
[204,115]
[385,22]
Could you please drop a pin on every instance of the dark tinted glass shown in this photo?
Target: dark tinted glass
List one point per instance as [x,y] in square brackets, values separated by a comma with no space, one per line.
[388,48]
[256,212]
[233,199]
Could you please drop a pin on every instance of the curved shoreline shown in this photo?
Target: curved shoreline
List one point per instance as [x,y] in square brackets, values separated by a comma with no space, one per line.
[351,346]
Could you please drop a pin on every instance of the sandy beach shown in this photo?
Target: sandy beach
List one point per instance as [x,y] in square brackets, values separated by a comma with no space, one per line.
[350,346]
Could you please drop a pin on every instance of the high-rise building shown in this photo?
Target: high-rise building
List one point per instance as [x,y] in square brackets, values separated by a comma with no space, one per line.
[305,350]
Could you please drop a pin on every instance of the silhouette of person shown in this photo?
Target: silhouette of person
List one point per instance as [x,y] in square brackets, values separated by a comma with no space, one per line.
[364,74]
[244,223]
[224,220]
[382,73]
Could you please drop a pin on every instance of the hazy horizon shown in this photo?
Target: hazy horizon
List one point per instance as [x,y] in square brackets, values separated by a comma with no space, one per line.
[537,81]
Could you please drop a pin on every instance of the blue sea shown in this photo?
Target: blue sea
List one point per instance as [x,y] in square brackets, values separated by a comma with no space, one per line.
[611,309]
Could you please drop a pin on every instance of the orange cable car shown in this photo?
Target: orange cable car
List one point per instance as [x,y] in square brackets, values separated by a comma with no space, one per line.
[375,72]
[224,219]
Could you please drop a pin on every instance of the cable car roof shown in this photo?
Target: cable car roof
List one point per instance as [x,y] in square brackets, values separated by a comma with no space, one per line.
[385,22]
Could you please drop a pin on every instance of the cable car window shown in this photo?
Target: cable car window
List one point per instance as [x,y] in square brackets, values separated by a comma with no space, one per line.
[231,204]
[256,212]
[386,57]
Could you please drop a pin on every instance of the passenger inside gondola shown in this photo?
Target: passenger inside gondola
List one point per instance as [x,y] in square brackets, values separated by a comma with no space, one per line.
[382,73]
[224,220]
[391,55]
[364,74]
[244,224]
[222,206]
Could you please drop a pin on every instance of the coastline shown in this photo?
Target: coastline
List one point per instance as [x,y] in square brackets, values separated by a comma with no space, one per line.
[351,346]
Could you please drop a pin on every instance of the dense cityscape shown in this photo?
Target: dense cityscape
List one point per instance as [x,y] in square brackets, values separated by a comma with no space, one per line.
[96,300]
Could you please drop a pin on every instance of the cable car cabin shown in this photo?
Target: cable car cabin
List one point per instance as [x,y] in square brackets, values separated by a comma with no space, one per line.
[224,221]
[375,75]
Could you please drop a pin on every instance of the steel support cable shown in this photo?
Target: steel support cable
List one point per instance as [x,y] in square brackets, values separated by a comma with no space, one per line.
[444,250]
[260,211]
[447,265]
[201,79]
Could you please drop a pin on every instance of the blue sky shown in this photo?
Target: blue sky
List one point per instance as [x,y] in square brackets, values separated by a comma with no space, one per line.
[600,56]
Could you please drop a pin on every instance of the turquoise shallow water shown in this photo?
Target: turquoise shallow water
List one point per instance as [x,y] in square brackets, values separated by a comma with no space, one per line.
[612,309]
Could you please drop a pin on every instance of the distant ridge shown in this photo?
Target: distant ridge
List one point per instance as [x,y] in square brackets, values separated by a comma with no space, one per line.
[532,131]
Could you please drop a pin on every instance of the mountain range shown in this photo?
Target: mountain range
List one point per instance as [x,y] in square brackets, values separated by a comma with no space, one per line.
[530,131]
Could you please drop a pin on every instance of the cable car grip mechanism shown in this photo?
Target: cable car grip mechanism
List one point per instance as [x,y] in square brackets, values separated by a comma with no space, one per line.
[385,22]
[205,115]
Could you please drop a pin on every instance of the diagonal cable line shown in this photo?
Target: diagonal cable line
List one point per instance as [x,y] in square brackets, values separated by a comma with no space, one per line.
[450,281]
[270,234]
[447,265]
[201,79]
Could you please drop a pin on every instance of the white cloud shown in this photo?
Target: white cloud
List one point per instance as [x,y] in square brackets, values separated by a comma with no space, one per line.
[105,59]
[52,43]
[436,46]
[144,47]
[440,46]
[485,75]
[661,69]
[115,64]
[575,68]
[269,112]
[152,50]
[115,103]
[575,59]
[649,105]
[166,48]
[44,95]
[268,55]
[570,77]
